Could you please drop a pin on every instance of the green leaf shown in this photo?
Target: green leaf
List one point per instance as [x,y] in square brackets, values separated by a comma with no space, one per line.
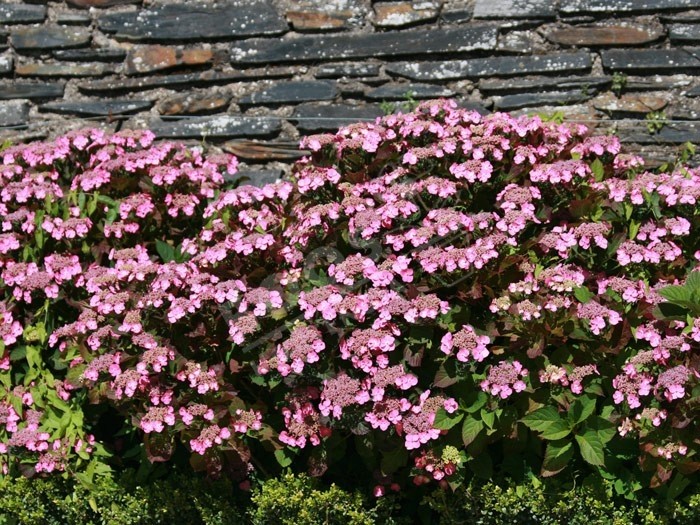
[542,418]
[488,417]
[18,353]
[583,294]
[605,429]
[591,447]
[670,311]
[634,229]
[677,486]
[675,294]
[581,409]
[393,460]
[282,458]
[470,430]
[557,430]
[166,252]
[444,377]
[556,456]
[474,401]
[628,209]
[92,205]
[693,282]
[598,170]
[445,421]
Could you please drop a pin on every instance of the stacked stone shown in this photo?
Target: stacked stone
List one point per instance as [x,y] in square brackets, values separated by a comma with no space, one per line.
[254,75]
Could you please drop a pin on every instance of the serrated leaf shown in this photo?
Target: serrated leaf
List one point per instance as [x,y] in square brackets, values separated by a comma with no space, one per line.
[542,418]
[445,421]
[18,353]
[488,417]
[470,430]
[604,428]
[675,294]
[693,281]
[583,294]
[476,401]
[634,229]
[581,409]
[591,447]
[557,430]
[166,252]
[670,311]
[598,170]
[444,377]
[556,456]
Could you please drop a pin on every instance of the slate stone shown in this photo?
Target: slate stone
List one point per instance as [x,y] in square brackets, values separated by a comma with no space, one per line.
[670,134]
[516,42]
[22,14]
[193,21]
[402,92]
[318,21]
[352,89]
[515,9]
[294,91]
[257,178]
[221,126]
[13,114]
[624,6]
[518,85]
[49,37]
[77,18]
[186,80]
[526,100]
[685,109]
[629,104]
[403,14]
[615,35]
[684,33]
[85,69]
[336,47]
[5,64]
[86,4]
[480,107]
[193,103]
[148,59]
[98,108]
[656,83]
[494,66]
[31,90]
[456,15]
[256,151]
[316,117]
[648,61]
[87,55]
[347,70]
[683,17]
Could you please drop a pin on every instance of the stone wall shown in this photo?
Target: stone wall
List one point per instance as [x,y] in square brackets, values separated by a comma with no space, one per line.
[254,75]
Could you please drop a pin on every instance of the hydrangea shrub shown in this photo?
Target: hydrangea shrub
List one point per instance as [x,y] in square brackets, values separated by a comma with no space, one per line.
[430,295]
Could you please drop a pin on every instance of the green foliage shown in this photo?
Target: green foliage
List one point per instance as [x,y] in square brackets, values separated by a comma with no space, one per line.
[549,504]
[619,81]
[406,106]
[297,500]
[177,499]
[557,117]
[655,120]
[301,500]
